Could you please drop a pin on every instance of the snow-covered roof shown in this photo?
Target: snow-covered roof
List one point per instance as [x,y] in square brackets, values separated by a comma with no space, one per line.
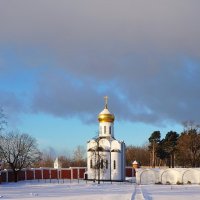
[105,111]
[135,162]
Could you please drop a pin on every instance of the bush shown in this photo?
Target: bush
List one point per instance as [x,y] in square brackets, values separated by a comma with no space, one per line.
[189,182]
[168,183]
[158,183]
[179,183]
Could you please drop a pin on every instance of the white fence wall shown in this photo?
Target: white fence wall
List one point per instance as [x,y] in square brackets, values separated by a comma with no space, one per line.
[168,176]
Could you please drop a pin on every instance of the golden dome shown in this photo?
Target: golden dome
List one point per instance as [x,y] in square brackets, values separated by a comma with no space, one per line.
[105,115]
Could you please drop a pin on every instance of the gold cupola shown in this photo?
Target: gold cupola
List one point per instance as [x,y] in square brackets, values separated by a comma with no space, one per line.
[105,115]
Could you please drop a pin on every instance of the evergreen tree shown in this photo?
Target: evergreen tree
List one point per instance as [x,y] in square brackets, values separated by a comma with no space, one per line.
[154,140]
[161,153]
[170,146]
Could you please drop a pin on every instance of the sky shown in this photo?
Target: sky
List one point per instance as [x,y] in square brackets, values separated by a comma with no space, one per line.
[58,59]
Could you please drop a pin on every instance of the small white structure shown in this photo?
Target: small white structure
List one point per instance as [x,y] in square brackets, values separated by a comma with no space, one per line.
[135,162]
[105,154]
[57,164]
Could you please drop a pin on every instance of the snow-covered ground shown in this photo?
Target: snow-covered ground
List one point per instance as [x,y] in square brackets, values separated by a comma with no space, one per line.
[27,190]
[69,191]
[168,192]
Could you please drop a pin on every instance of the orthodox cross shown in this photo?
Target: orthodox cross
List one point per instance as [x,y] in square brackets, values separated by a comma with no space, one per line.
[106,101]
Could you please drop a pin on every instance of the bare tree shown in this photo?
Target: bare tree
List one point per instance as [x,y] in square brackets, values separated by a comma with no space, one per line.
[65,161]
[139,153]
[100,159]
[189,148]
[3,121]
[48,157]
[18,150]
[79,157]
[45,161]
[190,125]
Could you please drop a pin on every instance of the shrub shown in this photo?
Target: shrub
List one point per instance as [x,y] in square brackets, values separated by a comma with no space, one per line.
[158,183]
[179,183]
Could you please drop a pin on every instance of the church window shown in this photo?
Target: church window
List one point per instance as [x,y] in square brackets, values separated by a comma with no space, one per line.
[91,163]
[104,129]
[101,164]
[106,164]
[114,164]
[110,130]
[100,129]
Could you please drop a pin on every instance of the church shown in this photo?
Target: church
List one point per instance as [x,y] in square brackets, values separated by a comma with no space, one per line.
[105,154]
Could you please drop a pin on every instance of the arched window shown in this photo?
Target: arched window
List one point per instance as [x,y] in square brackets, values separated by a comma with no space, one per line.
[100,129]
[101,164]
[114,164]
[106,164]
[91,166]
[110,130]
[104,129]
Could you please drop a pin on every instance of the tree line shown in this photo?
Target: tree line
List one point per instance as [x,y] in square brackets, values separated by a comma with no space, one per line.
[174,150]
[75,159]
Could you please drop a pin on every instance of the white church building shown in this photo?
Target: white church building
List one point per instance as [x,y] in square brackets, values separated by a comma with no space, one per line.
[105,154]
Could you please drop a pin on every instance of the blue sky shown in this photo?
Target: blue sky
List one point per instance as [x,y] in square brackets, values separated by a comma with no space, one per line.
[59,59]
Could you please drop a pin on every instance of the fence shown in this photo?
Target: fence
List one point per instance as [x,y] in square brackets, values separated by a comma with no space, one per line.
[168,176]
[44,173]
[51,173]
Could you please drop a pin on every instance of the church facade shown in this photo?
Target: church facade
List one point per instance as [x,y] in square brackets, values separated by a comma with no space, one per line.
[105,154]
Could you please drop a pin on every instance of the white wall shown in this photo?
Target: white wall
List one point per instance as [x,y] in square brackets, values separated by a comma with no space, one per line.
[168,176]
[107,133]
[112,148]
[116,173]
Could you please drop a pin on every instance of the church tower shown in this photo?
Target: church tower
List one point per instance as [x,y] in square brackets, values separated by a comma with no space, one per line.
[105,154]
[106,121]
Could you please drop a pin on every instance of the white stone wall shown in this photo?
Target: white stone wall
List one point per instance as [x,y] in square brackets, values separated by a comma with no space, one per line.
[116,173]
[106,132]
[105,144]
[168,176]
[113,151]
[105,172]
[90,171]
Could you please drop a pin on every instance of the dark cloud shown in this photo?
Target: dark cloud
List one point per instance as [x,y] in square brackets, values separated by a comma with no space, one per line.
[11,105]
[144,55]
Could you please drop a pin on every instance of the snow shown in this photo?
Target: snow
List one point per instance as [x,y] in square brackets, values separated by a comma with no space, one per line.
[71,191]
[27,190]
[171,192]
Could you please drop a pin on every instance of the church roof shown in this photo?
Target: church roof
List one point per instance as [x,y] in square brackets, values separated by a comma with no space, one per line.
[105,115]
[135,163]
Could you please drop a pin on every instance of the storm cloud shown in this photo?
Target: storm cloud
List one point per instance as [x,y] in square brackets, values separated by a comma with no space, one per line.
[143,54]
